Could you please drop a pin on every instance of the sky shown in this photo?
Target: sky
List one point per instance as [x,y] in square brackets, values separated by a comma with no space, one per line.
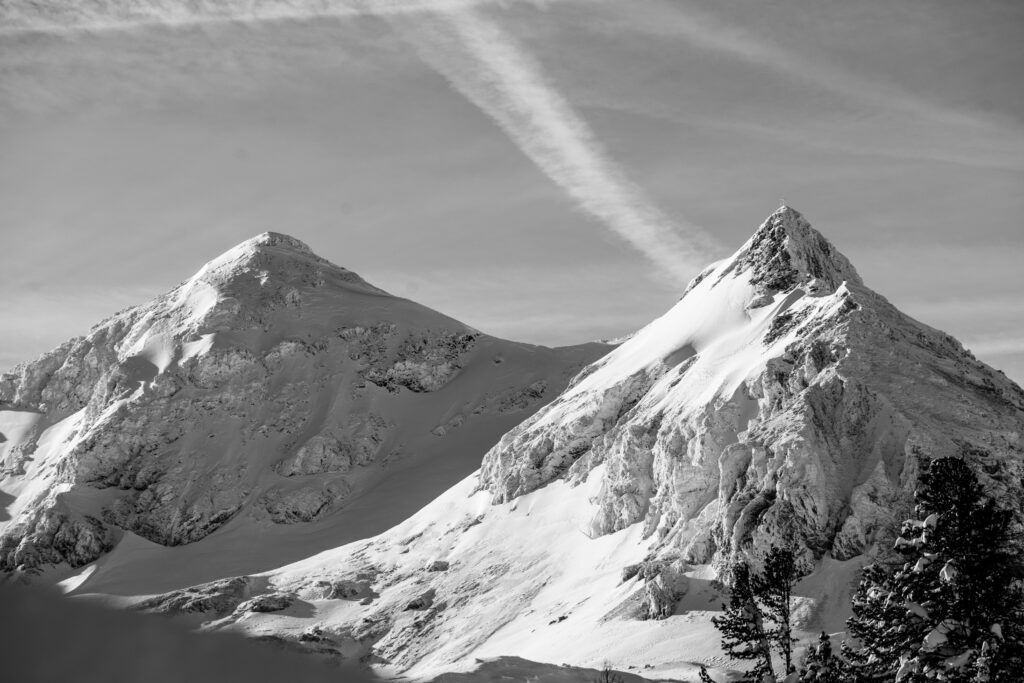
[546,171]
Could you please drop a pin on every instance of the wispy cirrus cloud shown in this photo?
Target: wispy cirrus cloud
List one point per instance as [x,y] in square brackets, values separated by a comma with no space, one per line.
[99,15]
[705,30]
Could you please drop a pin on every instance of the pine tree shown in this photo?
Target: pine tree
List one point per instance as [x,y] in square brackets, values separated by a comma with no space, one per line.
[947,612]
[879,624]
[774,587]
[821,665]
[758,615]
[744,635]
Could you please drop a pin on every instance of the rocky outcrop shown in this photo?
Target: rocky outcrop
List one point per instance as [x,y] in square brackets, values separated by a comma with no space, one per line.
[217,598]
[52,536]
[664,583]
[422,601]
[268,602]
[306,504]
[338,448]
[423,362]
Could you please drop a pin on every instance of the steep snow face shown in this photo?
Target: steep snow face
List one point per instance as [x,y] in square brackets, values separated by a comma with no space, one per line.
[270,389]
[779,399]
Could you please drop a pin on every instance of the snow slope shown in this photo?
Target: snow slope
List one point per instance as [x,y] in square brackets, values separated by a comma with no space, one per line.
[780,400]
[269,407]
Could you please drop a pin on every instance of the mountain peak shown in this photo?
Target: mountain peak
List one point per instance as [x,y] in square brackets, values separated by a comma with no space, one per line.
[265,247]
[275,239]
[786,251]
[273,257]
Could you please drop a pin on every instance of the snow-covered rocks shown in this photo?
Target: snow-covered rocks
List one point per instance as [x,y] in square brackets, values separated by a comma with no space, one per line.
[665,582]
[272,385]
[306,504]
[424,362]
[422,601]
[216,598]
[59,537]
[268,602]
[338,448]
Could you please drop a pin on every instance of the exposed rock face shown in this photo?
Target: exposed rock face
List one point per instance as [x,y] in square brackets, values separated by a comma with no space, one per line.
[664,583]
[268,602]
[780,398]
[305,504]
[422,601]
[59,538]
[271,381]
[216,598]
[338,448]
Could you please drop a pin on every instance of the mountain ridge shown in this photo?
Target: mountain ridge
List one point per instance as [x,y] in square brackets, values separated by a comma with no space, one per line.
[298,370]
[780,401]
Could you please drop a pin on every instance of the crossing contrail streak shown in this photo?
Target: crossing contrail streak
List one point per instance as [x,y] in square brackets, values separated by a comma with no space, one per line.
[487,65]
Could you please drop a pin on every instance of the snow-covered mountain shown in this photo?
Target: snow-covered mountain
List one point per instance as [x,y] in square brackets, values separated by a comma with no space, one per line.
[274,401]
[780,400]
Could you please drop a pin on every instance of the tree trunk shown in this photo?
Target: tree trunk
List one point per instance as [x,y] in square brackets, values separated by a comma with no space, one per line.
[763,642]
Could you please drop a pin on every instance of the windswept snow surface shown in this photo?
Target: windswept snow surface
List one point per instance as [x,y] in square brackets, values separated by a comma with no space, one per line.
[271,406]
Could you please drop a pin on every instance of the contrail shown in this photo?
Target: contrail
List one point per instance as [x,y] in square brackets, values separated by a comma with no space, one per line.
[478,58]
[486,65]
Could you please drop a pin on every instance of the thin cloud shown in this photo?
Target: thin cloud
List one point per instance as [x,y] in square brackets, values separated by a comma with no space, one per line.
[984,151]
[706,31]
[58,16]
[488,66]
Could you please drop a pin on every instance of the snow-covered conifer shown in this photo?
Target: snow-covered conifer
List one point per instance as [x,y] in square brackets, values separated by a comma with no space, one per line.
[821,665]
[943,613]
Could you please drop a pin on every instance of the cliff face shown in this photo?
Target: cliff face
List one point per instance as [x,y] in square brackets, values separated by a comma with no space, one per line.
[780,398]
[272,383]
